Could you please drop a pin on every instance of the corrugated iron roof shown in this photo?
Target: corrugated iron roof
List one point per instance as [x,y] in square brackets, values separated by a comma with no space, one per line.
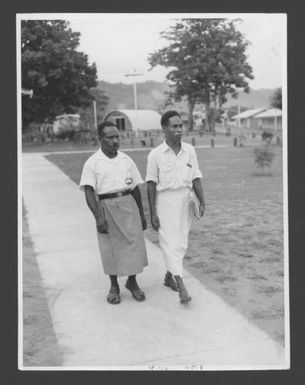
[271,113]
[248,113]
[143,120]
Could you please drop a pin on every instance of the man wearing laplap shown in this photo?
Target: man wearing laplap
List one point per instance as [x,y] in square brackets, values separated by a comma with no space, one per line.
[110,180]
[172,177]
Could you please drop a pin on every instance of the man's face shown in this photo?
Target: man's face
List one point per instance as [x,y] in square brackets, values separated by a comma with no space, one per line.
[110,140]
[174,128]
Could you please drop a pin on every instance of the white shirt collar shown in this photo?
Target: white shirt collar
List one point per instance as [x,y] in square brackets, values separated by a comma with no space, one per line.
[101,155]
[166,147]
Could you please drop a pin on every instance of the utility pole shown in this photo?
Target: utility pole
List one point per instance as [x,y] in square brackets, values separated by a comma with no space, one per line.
[238,111]
[135,73]
[94,114]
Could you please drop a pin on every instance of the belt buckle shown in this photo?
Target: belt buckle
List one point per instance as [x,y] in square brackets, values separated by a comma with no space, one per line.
[120,194]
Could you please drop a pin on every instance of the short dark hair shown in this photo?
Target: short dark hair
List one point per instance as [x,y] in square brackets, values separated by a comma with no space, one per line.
[103,125]
[167,115]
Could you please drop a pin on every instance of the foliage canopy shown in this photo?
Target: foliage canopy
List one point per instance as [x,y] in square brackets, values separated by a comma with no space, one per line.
[276,99]
[207,60]
[51,66]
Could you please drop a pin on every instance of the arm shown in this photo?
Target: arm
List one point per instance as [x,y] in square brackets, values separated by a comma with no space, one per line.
[137,196]
[199,193]
[99,216]
[151,192]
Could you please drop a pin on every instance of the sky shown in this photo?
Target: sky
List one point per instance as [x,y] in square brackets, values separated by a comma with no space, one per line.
[119,44]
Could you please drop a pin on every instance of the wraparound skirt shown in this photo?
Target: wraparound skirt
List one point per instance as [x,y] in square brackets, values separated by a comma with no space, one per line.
[173,210]
[122,250]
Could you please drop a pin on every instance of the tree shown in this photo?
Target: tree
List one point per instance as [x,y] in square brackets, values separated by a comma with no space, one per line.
[207,60]
[58,74]
[276,99]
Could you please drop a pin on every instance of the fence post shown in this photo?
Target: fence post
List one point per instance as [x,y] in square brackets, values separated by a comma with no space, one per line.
[193,141]
[151,142]
[235,142]
[212,142]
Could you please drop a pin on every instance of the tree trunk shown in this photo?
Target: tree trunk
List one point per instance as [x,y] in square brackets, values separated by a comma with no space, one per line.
[207,114]
[25,127]
[191,105]
[212,119]
[213,115]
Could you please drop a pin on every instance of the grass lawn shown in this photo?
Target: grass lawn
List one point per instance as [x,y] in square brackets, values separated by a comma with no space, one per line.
[236,250]
[205,140]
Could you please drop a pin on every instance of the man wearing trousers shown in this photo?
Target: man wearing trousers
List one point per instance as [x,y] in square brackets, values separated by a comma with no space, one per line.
[172,174]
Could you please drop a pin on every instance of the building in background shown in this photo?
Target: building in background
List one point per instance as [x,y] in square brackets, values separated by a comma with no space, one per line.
[246,119]
[270,120]
[136,123]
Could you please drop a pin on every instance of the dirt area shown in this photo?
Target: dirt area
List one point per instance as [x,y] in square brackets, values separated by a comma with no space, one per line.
[39,340]
[236,250]
[246,271]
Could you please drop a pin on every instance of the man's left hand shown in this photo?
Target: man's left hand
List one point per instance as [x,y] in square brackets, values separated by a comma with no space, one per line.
[201,210]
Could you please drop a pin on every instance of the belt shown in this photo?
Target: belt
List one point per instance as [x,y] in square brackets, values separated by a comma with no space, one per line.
[114,195]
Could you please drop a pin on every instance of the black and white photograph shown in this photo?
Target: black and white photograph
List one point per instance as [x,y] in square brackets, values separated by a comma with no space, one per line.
[152,192]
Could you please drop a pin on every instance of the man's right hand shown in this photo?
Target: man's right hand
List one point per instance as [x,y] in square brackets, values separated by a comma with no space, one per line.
[101,225]
[155,222]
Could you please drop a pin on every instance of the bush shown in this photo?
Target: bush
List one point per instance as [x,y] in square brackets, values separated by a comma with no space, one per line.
[263,157]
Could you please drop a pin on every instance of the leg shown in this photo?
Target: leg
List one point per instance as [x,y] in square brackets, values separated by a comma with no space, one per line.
[114,293]
[170,282]
[175,221]
[114,281]
[183,294]
[132,285]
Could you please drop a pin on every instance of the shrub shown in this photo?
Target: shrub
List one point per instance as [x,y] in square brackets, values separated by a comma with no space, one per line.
[263,157]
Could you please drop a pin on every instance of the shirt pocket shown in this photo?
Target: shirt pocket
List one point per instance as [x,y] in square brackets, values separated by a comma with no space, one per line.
[122,174]
[166,174]
[187,173]
[128,176]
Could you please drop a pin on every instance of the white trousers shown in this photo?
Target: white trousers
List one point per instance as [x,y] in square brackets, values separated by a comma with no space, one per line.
[173,210]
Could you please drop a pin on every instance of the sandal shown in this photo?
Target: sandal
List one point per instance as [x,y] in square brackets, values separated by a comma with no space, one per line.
[170,282]
[136,292]
[114,296]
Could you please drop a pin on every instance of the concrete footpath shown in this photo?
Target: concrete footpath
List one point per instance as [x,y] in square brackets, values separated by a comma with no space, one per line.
[158,333]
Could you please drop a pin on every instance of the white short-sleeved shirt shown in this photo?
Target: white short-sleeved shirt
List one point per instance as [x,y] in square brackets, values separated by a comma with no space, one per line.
[108,175]
[171,171]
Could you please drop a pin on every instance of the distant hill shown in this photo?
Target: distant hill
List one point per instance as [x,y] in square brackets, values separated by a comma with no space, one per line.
[151,95]
[254,99]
